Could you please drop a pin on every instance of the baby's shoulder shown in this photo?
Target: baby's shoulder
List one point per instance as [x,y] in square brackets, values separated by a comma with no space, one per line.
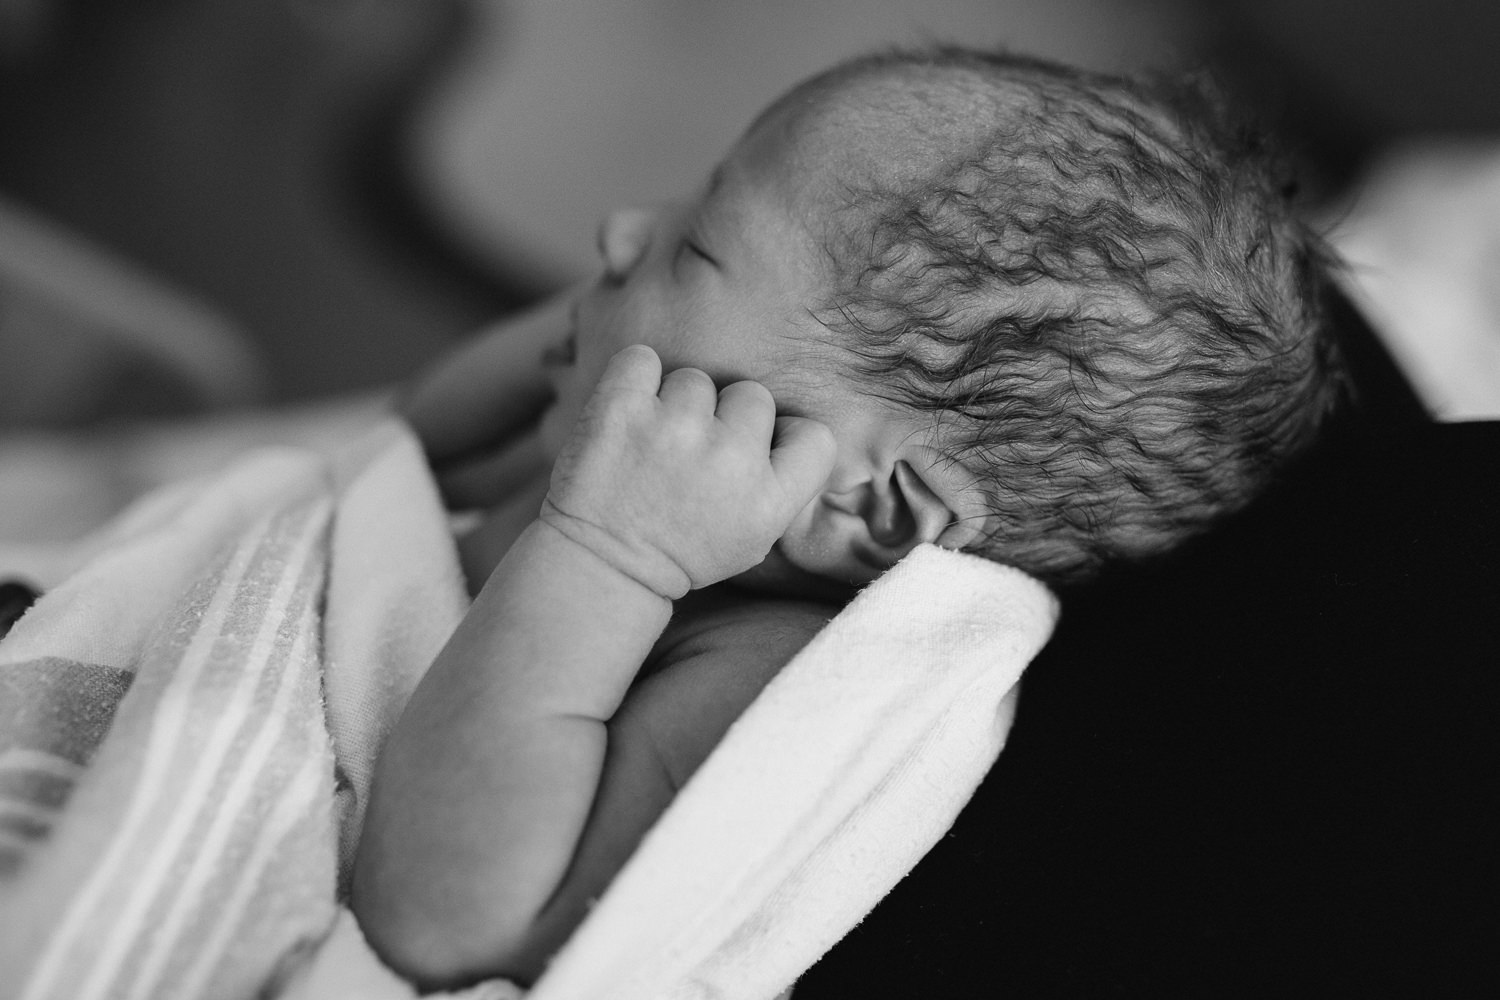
[714,658]
[728,623]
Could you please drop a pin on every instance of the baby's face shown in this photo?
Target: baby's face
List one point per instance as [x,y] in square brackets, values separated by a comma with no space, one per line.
[727,282]
[723,282]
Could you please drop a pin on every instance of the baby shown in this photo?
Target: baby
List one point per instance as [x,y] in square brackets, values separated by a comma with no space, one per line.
[1059,319]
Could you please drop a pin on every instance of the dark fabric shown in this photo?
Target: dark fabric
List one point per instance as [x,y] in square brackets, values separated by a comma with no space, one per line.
[1382,397]
[1266,766]
[15,599]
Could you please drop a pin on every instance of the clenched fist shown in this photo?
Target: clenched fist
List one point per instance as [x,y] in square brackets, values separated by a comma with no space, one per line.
[678,484]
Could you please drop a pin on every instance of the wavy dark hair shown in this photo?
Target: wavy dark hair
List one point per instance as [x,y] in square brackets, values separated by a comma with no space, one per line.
[1104,295]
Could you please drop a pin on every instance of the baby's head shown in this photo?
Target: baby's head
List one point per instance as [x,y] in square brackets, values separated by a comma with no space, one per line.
[1055,318]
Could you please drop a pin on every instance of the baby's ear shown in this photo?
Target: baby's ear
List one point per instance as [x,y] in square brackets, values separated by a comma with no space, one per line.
[858,533]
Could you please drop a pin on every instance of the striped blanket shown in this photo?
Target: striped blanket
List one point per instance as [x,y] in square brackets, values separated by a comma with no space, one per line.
[172,807]
[188,726]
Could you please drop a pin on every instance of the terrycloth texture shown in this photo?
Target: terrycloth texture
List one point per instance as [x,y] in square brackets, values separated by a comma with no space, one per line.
[176,792]
[189,851]
[193,850]
[834,783]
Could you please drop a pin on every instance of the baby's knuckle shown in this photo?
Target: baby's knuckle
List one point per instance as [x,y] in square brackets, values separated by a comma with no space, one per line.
[634,354]
[678,432]
[692,378]
[751,398]
[760,394]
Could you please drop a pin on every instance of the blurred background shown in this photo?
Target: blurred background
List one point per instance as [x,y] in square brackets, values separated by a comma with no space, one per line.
[222,203]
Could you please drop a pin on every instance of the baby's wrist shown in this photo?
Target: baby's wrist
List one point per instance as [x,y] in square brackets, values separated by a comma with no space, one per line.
[649,569]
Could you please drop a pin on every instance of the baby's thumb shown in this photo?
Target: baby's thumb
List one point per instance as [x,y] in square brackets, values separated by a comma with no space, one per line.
[802,455]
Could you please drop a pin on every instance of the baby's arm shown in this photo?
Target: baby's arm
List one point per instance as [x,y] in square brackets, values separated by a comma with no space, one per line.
[485,787]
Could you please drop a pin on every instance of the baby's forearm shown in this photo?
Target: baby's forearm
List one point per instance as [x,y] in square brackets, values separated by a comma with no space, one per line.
[487,781]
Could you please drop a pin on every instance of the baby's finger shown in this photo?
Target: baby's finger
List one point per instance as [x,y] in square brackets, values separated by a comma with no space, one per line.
[802,457]
[635,369]
[750,406]
[689,388]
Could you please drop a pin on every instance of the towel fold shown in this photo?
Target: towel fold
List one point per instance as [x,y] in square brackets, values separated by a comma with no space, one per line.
[190,723]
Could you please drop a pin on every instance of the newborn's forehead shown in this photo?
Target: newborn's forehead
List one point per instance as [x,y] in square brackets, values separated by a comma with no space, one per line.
[885,126]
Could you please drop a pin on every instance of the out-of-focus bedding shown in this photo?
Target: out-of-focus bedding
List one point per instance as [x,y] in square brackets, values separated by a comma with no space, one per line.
[1421,241]
[165,730]
[58,487]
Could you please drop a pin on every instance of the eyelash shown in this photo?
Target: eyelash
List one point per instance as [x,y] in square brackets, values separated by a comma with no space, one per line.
[687,245]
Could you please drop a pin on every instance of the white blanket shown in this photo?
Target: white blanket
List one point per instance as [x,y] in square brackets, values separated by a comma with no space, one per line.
[189,722]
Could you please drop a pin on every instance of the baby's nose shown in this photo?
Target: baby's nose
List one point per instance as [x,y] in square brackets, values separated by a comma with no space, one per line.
[624,236]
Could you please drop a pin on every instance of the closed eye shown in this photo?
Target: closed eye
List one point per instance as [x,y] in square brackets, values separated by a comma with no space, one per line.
[689,246]
[695,248]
